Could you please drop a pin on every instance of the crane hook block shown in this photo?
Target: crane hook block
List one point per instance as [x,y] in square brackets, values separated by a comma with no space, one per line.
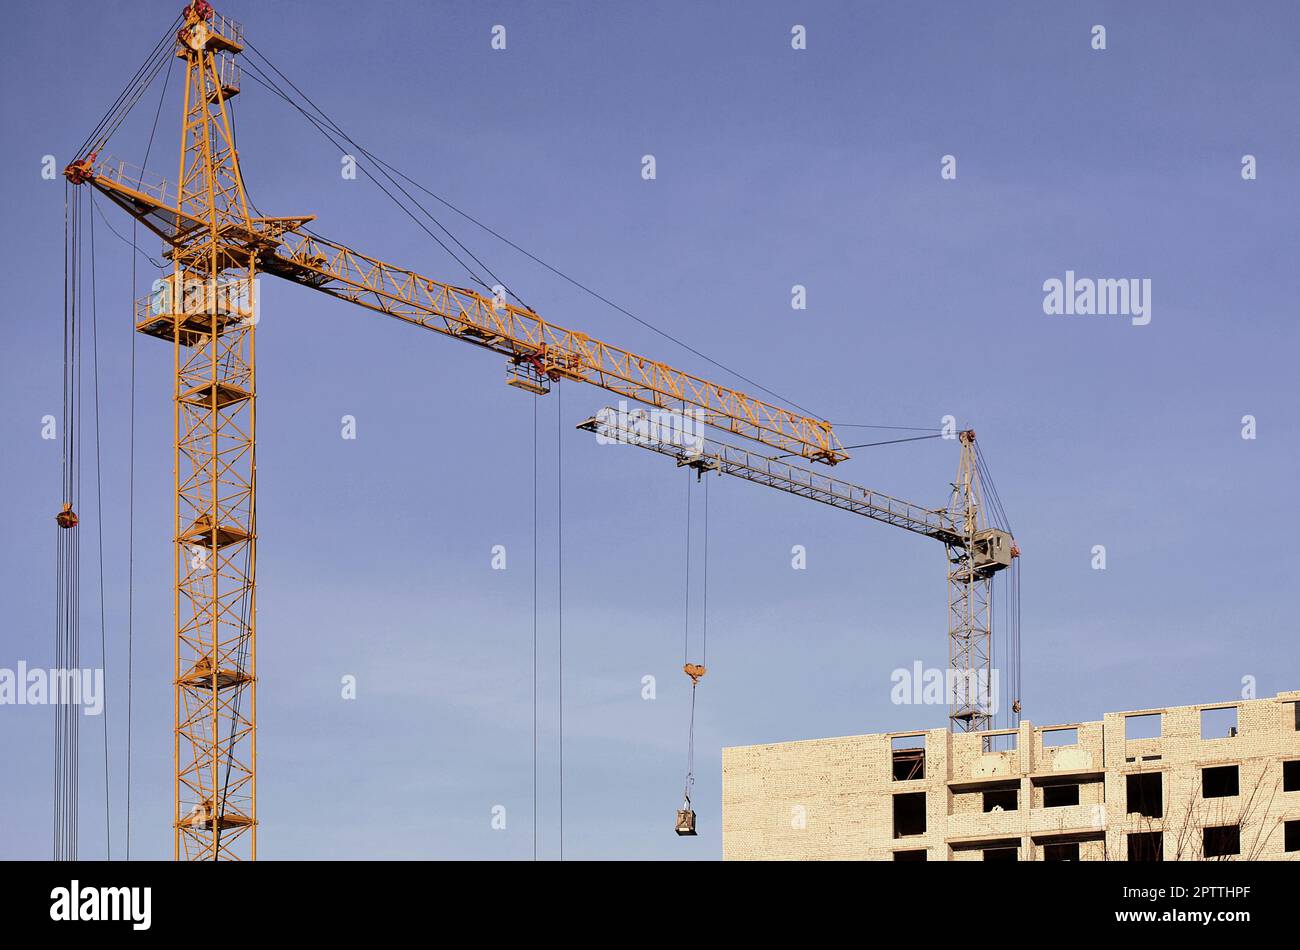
[694,671]
[67,518]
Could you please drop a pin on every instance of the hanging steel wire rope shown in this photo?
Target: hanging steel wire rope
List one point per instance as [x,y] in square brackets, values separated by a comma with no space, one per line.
[685,824]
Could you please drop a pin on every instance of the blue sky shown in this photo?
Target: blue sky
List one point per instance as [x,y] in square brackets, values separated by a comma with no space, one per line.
[775,167]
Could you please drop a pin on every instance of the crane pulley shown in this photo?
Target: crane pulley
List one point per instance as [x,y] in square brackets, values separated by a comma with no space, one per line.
[66,518]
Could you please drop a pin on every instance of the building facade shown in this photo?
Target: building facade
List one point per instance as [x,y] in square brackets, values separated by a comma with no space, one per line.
[1213,782]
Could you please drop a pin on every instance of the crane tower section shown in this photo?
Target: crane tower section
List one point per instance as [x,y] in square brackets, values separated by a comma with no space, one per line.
[207,313]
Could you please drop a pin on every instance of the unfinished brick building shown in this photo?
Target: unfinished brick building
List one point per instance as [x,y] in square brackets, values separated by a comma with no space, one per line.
[1220,781]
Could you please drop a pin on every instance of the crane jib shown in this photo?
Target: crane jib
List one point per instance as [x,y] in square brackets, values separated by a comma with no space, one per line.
[546,352]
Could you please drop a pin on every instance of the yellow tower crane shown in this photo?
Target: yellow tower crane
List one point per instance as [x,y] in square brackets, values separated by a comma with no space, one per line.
[205,310]
[976,550]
